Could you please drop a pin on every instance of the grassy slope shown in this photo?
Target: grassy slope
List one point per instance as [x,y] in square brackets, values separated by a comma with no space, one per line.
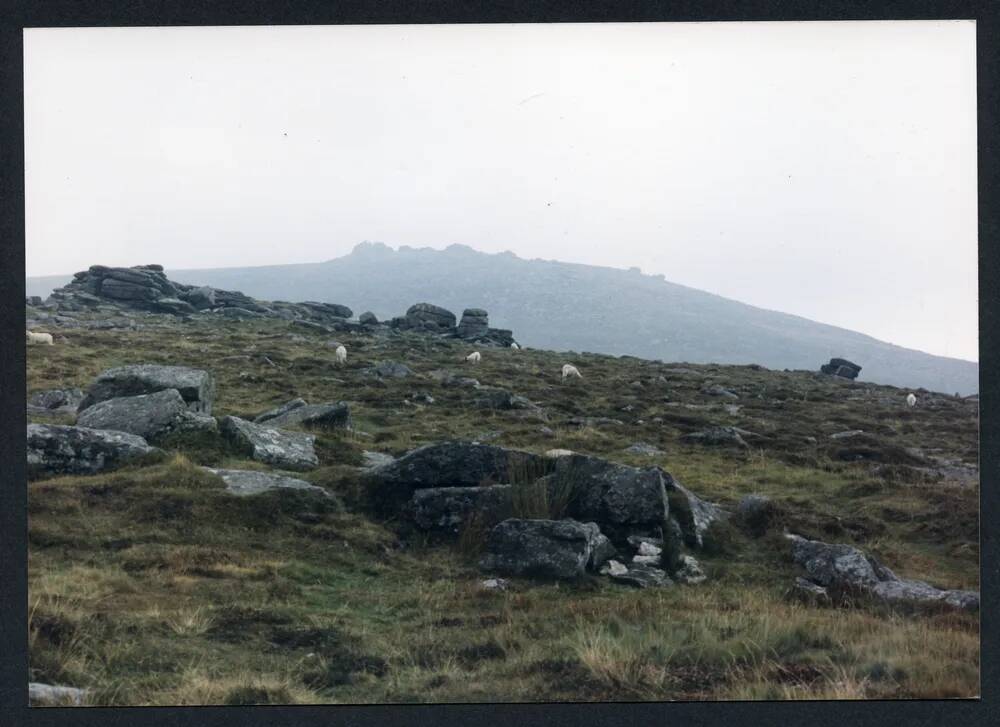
[154,587]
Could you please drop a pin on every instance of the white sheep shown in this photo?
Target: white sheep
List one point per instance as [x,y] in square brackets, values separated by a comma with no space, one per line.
[911,400]
[514,345]
[38,337]
[340,354]
[474,357]
[569,370]
[555,453]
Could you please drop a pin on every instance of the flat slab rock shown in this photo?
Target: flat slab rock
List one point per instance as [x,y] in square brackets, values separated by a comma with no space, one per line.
[845,567]
[326,416]
[560,549]
[149,415]
[63,449]
[52,695]
[250,482]
[196,386]
[288,450]
[640,576]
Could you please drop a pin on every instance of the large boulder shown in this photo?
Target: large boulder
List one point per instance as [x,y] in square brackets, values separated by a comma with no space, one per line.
[622,500]
[450,464]
[559,549]
[368,318]
[447,510]
[842,368]
[474,323]
[288,450]
[430,317]
[327,310]
[321,416]
[199,298]
[845,569]
[151,416]
[60,449]
[249,482]
[196,386]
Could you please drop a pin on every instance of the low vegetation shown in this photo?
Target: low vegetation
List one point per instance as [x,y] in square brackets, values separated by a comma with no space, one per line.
[151,585]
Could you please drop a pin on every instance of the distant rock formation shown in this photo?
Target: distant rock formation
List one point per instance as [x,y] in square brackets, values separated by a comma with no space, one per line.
[841,367]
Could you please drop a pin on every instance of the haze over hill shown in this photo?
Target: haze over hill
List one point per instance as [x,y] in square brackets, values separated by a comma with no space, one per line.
[565,306]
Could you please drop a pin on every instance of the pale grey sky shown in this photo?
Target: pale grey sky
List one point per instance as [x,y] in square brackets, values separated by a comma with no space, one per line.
[821,169]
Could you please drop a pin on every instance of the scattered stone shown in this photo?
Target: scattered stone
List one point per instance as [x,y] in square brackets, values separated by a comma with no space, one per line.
[718,436]
[646,450]
[62,449]
[290,450]
[717,390]
[390,370]
[647,559]
[538,548]
[196,386]
[278,411]
[690,571]
[322,416]
[614,568]
[251,482]
[848,434]
[496,584]
[448,378]
[643,576]
[151,416]
[809,592]
[848,569]
[648,549]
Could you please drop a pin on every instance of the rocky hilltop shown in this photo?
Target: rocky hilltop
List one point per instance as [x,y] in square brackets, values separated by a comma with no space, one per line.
[146,288]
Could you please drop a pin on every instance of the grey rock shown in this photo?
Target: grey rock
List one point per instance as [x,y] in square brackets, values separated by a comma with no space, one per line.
[716,390]
[451,379]
[429,317]
[196,386]
[151,416]
[390,370]
[693,515]
[717,436]
[538,548]
[848,434]
[846,568]
[689,571]
[495,584]
[289,450]
[320,416]
[250,482]
[449,464]
[376,459]
[614,568]
[57,398]
[809,592]
[199,298]
[643,576]
[447,510]
[601,548]
[279,410]
[474,323]
[622,500]
[643,449]
[62,449]
[368,318]
[238,312]
[175,306]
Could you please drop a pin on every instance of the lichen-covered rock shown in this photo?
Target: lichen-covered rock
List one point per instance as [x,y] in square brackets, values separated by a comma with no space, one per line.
[289,450]
[642,576]
[57,399]
[278,411]
[694,515]
[61,449]
[196,386]
[322,416]
[558,549]
[450,464]
[846,569]
[151,416]
[447,510]
[429,317]
[251,482]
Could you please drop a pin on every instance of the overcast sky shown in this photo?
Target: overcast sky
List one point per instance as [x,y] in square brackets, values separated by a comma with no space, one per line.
[821,169]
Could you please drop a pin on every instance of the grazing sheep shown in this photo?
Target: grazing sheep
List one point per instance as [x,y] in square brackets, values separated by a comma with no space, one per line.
[38,337]
[514,345]
[474,357]
[341,355]
[570,370]
[911,400]
[553,453]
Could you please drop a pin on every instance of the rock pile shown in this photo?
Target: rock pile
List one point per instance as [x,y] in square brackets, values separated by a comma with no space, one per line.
[842,368]
[195,386]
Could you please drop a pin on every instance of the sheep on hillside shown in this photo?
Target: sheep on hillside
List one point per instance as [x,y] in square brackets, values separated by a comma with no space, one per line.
[911,400]
[38,338]
[569,370]
[474,357]
[340,354]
